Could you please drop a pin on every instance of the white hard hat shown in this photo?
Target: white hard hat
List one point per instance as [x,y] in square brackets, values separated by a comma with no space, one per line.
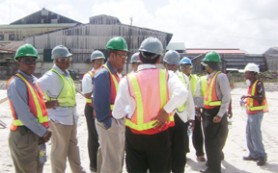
[252,67]
[60,51]
[172,57]
[151,45]
[97,55]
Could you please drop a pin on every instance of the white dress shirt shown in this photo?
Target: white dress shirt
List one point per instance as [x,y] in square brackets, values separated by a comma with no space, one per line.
[189,112]
[50,84]
[125,104]
[87,84]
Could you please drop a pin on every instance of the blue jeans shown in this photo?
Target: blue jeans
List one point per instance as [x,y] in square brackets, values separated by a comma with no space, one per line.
[254,135]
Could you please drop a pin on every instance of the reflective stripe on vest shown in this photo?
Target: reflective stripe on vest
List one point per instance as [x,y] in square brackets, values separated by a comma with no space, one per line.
[146,109]
[210,99]
[181,77]
[203,81]
[36,105]
[91,73]
[193,83]
[250,105]
[66,98]
[115,84]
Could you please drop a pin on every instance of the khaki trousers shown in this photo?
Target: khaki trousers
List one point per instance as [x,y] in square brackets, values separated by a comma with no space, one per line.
[112,145]
[24,150]
[64,145]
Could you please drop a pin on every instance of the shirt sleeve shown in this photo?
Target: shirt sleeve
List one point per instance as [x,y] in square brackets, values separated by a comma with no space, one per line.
[224,87]
[101,96]
[177,91]
[124,103]
[17,93]
[87,85]
[46,84]
[198,96]
[190,107]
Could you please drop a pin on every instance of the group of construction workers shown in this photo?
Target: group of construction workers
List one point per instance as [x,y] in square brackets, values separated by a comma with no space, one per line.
[142,118]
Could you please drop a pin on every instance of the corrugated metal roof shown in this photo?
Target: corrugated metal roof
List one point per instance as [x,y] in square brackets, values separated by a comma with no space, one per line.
[220,51]
[10,47]
[176,46]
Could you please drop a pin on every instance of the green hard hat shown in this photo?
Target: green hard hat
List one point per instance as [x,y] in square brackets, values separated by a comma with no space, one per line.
[212,57]
[117,43]
[26,50]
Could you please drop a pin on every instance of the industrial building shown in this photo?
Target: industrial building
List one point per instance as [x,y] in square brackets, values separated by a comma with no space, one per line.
[46,29]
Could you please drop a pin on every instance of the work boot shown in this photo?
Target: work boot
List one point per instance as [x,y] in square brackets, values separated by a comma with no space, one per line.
[201,158]
[261,161]
[249,158]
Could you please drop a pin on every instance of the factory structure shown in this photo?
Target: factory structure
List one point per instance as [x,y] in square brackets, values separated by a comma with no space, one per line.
[46,29]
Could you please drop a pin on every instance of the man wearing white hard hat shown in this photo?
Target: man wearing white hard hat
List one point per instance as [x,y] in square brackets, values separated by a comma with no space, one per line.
[256,105]
[57,85]
[97,59]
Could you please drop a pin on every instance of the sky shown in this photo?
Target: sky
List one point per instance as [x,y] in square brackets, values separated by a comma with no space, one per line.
[250,25]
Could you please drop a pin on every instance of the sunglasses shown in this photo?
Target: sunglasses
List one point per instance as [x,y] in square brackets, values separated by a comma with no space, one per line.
[28,61]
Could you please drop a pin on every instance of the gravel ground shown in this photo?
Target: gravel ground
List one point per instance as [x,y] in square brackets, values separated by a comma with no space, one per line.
[234,150]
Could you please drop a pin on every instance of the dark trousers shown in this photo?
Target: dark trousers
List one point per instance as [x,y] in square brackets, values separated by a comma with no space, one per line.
[215,138]
[197,137]
[92,137]
[148,152]
[179,144]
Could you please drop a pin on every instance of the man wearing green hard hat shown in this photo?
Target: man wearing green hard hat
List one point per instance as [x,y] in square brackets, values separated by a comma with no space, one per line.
[110,131]
[216,103]
[30,117]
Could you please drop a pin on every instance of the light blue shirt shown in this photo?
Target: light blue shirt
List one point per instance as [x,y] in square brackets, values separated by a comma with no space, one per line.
[52,85]
[17,93]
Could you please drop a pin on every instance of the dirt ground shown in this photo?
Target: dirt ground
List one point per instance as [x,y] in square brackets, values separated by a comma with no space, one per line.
[234,150]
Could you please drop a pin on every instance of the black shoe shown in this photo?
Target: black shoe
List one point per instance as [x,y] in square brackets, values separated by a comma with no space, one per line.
[222,156]
[205,171]
[249,158]
[208,171]
[261,161]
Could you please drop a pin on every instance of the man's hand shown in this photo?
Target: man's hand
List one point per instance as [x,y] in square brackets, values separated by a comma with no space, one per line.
[191,124]
[161,119]
[216,119]
[45,137]
[230,114]
[198,113]
[52,104]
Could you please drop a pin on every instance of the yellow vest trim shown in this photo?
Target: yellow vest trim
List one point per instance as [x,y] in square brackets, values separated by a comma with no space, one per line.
[252,107]
[40,117]
[67,96]
[115,83]
[181,77]
[138,97]
[193,83]
[209,102]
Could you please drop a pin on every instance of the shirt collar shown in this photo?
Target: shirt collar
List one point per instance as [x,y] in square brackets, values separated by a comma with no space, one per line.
[55,67]
[211,74]
[146,66]
[112,70]
[30,78]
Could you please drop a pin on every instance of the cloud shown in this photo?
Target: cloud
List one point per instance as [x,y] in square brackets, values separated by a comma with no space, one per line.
[250,25]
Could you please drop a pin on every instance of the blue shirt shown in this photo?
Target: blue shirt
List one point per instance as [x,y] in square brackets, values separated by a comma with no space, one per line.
[101,95]
[18,94]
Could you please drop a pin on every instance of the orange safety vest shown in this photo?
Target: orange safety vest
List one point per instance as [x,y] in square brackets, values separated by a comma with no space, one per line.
[252,105]
[35,101]
[149,89]
[114,81]
[210,98]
